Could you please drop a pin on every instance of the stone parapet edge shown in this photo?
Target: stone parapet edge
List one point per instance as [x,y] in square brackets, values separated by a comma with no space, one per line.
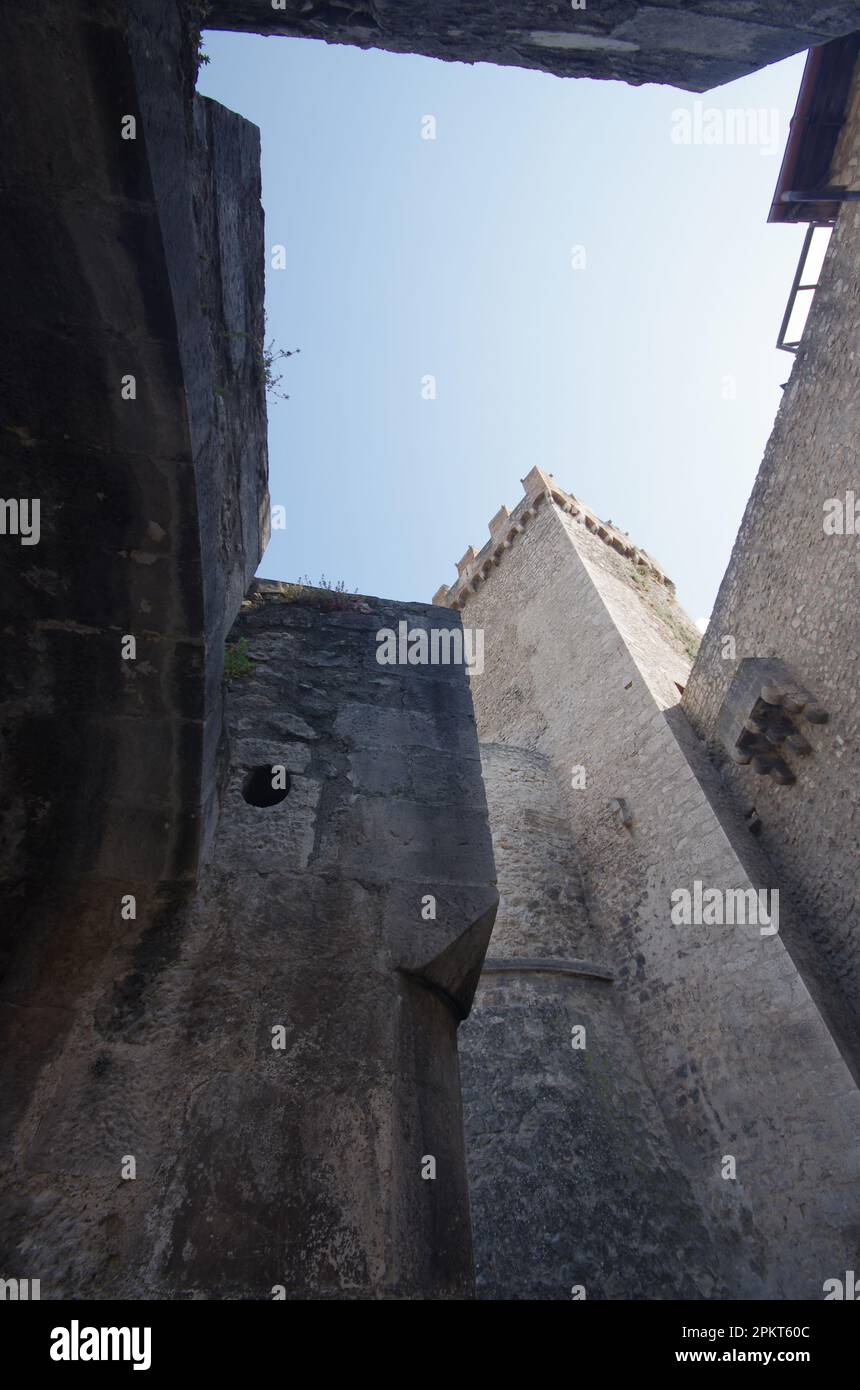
[476,566]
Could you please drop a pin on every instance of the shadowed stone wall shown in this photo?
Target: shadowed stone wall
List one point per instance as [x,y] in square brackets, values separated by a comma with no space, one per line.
[297,1165]
[135,996]
[790,592]
[696,45]
[134,411]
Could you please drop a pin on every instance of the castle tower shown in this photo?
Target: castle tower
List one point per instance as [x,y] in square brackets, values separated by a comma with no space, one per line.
[705,1137]
[568,1151]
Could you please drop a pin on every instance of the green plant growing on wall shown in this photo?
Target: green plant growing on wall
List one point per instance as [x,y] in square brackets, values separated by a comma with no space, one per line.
[237,662]
[336,587]
[269,358]
[199,15]
[326,594]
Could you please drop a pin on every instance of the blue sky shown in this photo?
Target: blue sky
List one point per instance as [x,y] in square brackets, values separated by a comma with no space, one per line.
[646,379]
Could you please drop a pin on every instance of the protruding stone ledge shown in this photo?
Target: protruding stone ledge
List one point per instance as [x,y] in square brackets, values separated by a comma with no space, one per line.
[538,965]
[476,566]
[696,47]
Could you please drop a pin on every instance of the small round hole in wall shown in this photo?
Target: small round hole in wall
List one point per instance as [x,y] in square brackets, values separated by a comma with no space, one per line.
[267,785]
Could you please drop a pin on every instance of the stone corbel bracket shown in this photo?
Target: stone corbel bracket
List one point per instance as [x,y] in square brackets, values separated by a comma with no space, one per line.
[760,723]
[454,973]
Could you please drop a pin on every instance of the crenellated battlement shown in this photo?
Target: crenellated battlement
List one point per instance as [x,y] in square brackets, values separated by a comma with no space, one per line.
[476,565]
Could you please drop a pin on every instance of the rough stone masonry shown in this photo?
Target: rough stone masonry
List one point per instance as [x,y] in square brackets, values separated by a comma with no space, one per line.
[276,1051]
[603,1167]
[790,591]
[228,1033]
[695,46]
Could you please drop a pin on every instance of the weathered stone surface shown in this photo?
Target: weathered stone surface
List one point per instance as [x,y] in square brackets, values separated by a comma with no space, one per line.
[123,258]
[573,1176]
[298,1166]
[150,1037]
[696,45]
[737,1041]
[790,593]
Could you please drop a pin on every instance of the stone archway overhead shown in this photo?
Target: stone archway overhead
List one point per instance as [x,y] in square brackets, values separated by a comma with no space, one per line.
[694,46]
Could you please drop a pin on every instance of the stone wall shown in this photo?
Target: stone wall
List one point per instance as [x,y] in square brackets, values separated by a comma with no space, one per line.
[124,258]
[696,46]
[573,1177]
[730,1032]
[790,592]
[258,1166]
